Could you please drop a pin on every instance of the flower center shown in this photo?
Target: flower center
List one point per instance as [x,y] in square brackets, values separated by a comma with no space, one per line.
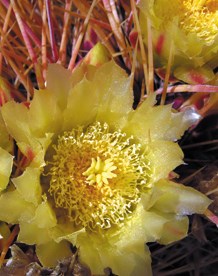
[195,16]
[100,171]
[201,17]
[96,176]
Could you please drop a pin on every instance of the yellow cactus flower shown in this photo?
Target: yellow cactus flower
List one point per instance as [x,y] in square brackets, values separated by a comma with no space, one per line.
[192,27]
[98,171]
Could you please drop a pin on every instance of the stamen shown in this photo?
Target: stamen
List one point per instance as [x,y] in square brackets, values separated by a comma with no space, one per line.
[200,18]
[100,171]
[195,16]
[96,176]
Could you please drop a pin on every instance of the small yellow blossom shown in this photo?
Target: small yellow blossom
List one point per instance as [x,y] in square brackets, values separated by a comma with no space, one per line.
[98,171]
[192,27]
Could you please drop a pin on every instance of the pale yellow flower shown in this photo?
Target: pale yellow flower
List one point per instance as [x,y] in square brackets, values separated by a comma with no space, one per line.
[98,171]
[192,27]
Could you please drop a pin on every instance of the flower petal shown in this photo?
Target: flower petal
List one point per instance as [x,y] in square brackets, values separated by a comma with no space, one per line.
[44,216]
[26,125]
[32,234]
[132,262]
[5,142]
[194,36]
[50,253]
[44,113]
[99,254]
[83,71]
[59,82]
[115,91]
[65,231]
[200,75]
[4,233]
[6,163]
[164,156]
[17,125]
[97,56]
[144,226]
[151,226]
[149,123]
[180,122]
[176,198]
[89,253]
[14,208]
[82,105]
[28,185]
[35,151]
[19,128]
[175,229]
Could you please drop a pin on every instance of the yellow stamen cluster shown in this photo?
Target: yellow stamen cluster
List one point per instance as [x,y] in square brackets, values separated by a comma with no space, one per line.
[100,171]
[96,176]
[194,16]
[201,17]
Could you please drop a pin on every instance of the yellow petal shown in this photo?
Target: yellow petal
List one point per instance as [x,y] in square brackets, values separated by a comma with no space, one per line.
[89,254]
[50,253]
[200,75]
[5,141]
[83,71]
[98,55]
[164,156]
[59,82]
[65,231]
[14,208]
[150,226]
[17,125]
[179,199]
[35,151]
[4,231]
[32,234]
[174,230]
[150,122]
[179,123]
[28,185]
[4,235]
[98,253]
[44,216]
[82,105]
[116,96]
[144,226]
[44,113]
[19,128]
[128,262]
[6,163]
[194,36]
